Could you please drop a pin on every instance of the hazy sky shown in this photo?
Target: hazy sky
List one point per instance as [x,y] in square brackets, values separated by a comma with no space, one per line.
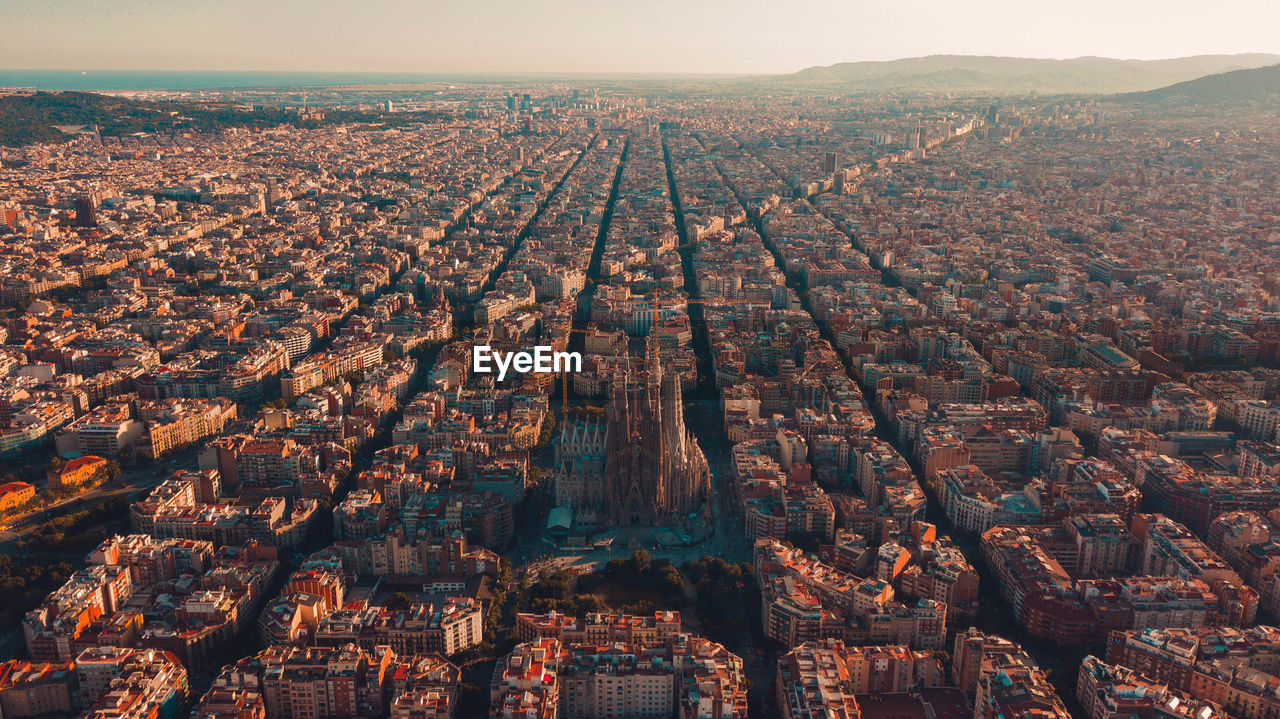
[747,36]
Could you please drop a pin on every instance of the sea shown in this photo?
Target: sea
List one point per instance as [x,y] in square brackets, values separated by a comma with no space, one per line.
[89,80]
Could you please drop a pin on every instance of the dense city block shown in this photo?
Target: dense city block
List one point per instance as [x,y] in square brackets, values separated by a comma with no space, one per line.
[899,405]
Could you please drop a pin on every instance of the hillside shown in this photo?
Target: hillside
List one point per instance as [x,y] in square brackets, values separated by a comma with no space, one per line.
[1002,75]
[33,118]
[1239,86]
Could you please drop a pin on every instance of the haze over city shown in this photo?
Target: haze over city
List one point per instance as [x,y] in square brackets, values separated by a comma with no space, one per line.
[599,36]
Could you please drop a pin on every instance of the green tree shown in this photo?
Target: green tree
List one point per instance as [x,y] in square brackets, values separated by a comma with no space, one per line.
[398,601]
[639,562]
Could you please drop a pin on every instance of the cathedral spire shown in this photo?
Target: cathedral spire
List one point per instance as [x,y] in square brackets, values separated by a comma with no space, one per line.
[650,471]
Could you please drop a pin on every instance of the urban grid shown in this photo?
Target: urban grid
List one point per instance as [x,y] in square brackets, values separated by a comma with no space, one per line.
[896,405]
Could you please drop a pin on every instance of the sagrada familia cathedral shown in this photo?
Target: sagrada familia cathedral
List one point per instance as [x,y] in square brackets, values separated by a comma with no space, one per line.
[639,466]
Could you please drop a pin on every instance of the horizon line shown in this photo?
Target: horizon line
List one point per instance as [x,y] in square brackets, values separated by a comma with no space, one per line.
[617,73]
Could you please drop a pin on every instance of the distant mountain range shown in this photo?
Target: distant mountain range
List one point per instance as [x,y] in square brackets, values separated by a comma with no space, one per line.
[973,74]
[1238,86]
[1201,79]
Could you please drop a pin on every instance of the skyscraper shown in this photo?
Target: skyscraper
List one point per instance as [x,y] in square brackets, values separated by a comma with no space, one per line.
[915,138]
[86,211]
